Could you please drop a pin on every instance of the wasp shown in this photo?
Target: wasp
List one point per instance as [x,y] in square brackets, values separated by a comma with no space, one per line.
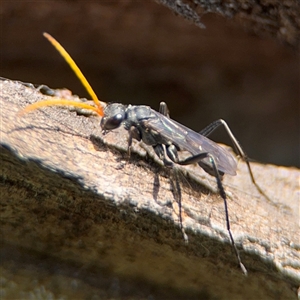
[166,136]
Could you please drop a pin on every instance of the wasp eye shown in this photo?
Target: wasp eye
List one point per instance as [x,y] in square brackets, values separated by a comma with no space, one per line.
[110,123]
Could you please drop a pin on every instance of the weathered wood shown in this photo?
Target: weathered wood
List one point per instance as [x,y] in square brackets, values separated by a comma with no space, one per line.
[78,217]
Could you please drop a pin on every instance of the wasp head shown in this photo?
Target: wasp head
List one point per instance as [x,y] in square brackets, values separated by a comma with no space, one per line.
[114,115]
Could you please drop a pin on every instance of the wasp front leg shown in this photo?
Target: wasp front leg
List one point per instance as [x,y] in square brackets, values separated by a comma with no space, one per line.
[133,134]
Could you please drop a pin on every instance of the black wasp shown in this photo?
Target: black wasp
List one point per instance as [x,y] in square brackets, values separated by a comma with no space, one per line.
[165,135]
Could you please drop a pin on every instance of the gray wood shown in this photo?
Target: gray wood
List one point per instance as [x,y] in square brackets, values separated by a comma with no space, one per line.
[80,219]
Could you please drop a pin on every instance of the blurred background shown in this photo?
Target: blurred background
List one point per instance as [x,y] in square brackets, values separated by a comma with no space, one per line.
[139,52]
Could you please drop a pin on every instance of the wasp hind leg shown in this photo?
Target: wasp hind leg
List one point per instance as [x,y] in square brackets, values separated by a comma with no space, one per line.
[216,124]
[172,154]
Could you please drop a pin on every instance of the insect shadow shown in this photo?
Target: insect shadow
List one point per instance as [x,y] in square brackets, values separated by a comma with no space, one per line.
[174,175]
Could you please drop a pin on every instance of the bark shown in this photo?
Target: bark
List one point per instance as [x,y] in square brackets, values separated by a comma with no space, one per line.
[78,217]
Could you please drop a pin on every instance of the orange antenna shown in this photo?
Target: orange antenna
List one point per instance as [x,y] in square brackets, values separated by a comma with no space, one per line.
[59,102]
[56,101]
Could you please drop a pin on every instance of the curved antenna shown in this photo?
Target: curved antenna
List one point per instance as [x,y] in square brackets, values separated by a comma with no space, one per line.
[98,109]
[57,101]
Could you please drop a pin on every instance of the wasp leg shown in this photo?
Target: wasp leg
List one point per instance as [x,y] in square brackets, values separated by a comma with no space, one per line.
[160,152]
[163,109]
[133,134]
[212,127]
[172,153]
[161,149]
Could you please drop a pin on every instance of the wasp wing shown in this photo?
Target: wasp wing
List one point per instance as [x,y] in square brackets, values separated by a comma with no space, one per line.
[172,132]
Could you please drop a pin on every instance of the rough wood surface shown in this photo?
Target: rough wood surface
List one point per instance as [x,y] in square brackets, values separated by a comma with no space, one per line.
[78,218]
